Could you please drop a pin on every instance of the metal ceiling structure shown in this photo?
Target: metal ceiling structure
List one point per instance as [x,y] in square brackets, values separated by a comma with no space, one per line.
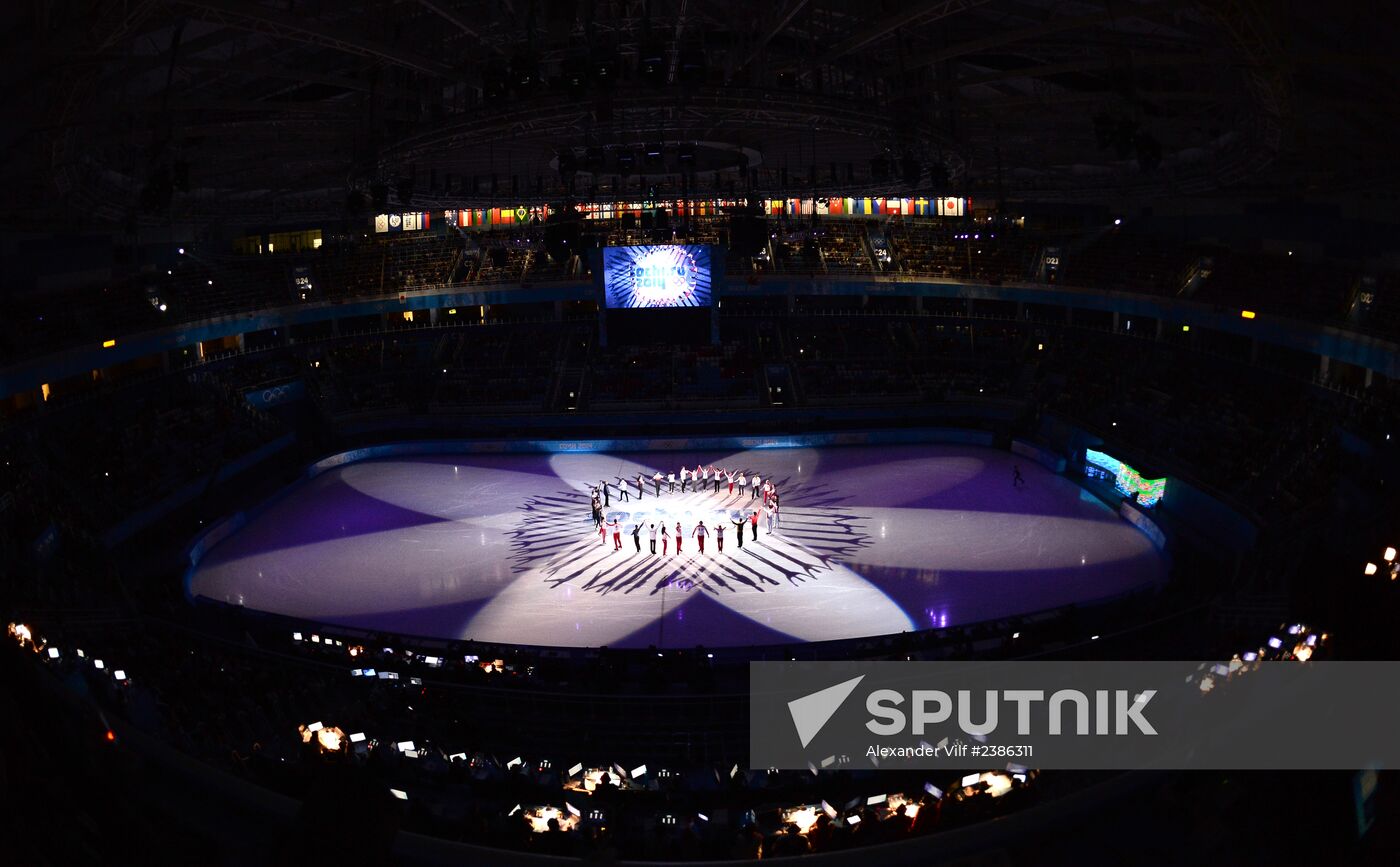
[263,110]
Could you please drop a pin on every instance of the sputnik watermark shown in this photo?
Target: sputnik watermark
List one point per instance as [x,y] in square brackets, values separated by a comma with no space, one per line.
[935,707]
[1108,715]
[888,717]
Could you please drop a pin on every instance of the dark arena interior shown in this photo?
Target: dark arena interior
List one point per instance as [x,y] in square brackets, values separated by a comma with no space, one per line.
[421,418]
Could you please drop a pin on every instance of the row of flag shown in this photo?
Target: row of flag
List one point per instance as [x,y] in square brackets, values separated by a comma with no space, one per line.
[507,216]
[414,221]
[942,206]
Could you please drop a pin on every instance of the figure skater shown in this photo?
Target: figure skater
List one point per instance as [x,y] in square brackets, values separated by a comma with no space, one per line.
[656,480]
[606,500]
[637,536]
[670,483]
[704,477]
[665,537]
[715,471]
[680,534]
[739,530]
[641,485]
[685,478]
[753,519]
[617,534]
[772,514]
[743,483]
[719,536]
[730,476]
[755,483]
[700,533]
[622,489]
[653,538]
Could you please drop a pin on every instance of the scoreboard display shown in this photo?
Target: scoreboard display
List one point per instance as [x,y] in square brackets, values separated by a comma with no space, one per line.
[303,288]
[1129,482]
[666,275]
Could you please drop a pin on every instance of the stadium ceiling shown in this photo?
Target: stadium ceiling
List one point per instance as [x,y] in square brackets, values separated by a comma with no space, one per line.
[286,109]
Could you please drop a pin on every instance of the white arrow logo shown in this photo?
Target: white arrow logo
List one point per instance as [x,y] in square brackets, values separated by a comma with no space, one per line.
[811,712]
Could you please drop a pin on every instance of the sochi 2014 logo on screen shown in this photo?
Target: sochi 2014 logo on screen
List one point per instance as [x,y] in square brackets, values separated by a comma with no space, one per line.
[674,275]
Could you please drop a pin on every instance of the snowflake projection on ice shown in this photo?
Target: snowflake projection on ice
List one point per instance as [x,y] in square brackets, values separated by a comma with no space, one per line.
[501,548]
[557,541]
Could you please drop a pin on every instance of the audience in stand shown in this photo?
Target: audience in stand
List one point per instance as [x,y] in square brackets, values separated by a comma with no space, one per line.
[203,284]
[246,711]
[1267,440]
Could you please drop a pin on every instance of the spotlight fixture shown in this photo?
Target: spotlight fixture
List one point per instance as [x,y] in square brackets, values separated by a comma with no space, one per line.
[575,77]
[651,64]
[524,73]
[604,70]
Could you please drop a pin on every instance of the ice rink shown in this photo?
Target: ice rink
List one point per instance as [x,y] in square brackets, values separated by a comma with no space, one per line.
[503,548]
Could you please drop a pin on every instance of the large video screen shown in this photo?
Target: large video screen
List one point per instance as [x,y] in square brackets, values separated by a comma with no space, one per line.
[671,275]
[1129,482]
